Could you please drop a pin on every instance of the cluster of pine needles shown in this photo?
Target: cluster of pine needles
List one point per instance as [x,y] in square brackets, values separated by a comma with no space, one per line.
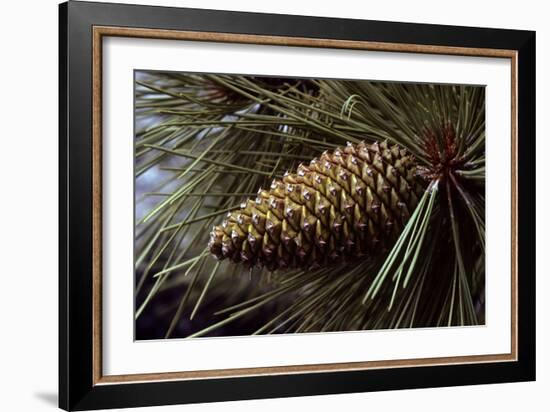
[204,143]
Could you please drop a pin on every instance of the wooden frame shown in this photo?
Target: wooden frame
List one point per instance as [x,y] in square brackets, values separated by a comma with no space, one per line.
[82,385]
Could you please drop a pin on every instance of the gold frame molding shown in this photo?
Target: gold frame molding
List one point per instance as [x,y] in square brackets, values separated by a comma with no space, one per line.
[99,32]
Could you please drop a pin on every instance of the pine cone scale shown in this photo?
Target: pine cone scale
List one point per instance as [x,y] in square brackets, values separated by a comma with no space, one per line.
[382,196]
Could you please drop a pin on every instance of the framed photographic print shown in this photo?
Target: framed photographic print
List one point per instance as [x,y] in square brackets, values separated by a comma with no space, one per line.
[257,205]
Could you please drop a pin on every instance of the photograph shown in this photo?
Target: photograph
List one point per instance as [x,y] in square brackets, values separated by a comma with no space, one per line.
[261,205]
[280,205]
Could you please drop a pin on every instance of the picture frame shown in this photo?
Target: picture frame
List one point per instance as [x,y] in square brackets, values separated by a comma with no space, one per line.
[83,27]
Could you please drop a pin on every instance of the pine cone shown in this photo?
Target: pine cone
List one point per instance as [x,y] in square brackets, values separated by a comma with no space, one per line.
[349,203]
